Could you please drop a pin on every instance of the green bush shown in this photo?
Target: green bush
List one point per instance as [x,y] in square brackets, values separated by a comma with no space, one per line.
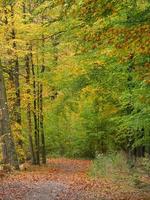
[112,165]
[115,166]
[144,164]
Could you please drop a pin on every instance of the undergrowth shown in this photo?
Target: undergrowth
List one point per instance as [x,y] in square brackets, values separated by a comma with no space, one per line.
[115,166]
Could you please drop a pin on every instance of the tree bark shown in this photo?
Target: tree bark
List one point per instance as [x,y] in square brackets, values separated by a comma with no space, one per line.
[28,75]
[9,150]
[36,131]
[28,82]
[43,149]
[16,72]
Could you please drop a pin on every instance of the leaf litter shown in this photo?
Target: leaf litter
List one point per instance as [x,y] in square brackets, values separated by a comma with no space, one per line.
[64,179]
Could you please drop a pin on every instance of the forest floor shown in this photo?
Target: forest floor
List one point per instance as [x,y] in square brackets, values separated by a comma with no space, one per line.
[64,179]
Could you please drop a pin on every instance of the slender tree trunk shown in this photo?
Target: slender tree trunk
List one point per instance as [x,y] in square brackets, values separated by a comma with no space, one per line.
[28,74]
[36,131]
[9,151]
[28,82]
[16,72]
[130,107]
[43,149]
[38,104]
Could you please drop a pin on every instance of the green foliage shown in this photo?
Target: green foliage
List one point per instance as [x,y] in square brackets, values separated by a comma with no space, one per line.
[110,165]
[104,80]
[115,166]
[96,78]
[144,164]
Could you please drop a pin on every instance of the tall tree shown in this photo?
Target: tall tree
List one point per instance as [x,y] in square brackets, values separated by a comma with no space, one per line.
[8,145]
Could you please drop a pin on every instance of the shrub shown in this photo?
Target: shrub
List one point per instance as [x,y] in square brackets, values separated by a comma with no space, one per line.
[112,165]
[144,164]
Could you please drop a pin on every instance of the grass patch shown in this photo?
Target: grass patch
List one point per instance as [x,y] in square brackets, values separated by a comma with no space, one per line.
[116,167]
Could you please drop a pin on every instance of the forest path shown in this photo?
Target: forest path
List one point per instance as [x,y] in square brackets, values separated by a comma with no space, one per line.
[62,179]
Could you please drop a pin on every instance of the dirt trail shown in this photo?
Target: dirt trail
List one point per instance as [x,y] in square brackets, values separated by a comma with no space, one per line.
[63,179]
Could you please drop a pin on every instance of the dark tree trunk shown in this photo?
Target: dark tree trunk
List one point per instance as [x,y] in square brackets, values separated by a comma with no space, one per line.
[9,150]
[16,72]
[36,131]
[43,149]
[38,105]
[28,82]
[28,75]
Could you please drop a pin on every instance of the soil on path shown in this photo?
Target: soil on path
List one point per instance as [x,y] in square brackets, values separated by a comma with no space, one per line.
[64,179]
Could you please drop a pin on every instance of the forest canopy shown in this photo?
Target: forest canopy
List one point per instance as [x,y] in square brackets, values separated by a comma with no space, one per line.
[74,78]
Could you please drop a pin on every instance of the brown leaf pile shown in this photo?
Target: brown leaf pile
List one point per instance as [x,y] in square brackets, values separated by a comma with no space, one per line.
[64,179]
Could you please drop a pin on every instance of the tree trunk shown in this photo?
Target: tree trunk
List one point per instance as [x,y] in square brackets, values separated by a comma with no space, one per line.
[27,65]
[38,104]
[43,149]
[36,131]
[9,150]
[28,82]
[130,104]
[15,70]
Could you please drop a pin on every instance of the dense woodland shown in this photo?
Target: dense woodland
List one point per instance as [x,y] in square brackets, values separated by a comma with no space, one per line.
[74,79]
